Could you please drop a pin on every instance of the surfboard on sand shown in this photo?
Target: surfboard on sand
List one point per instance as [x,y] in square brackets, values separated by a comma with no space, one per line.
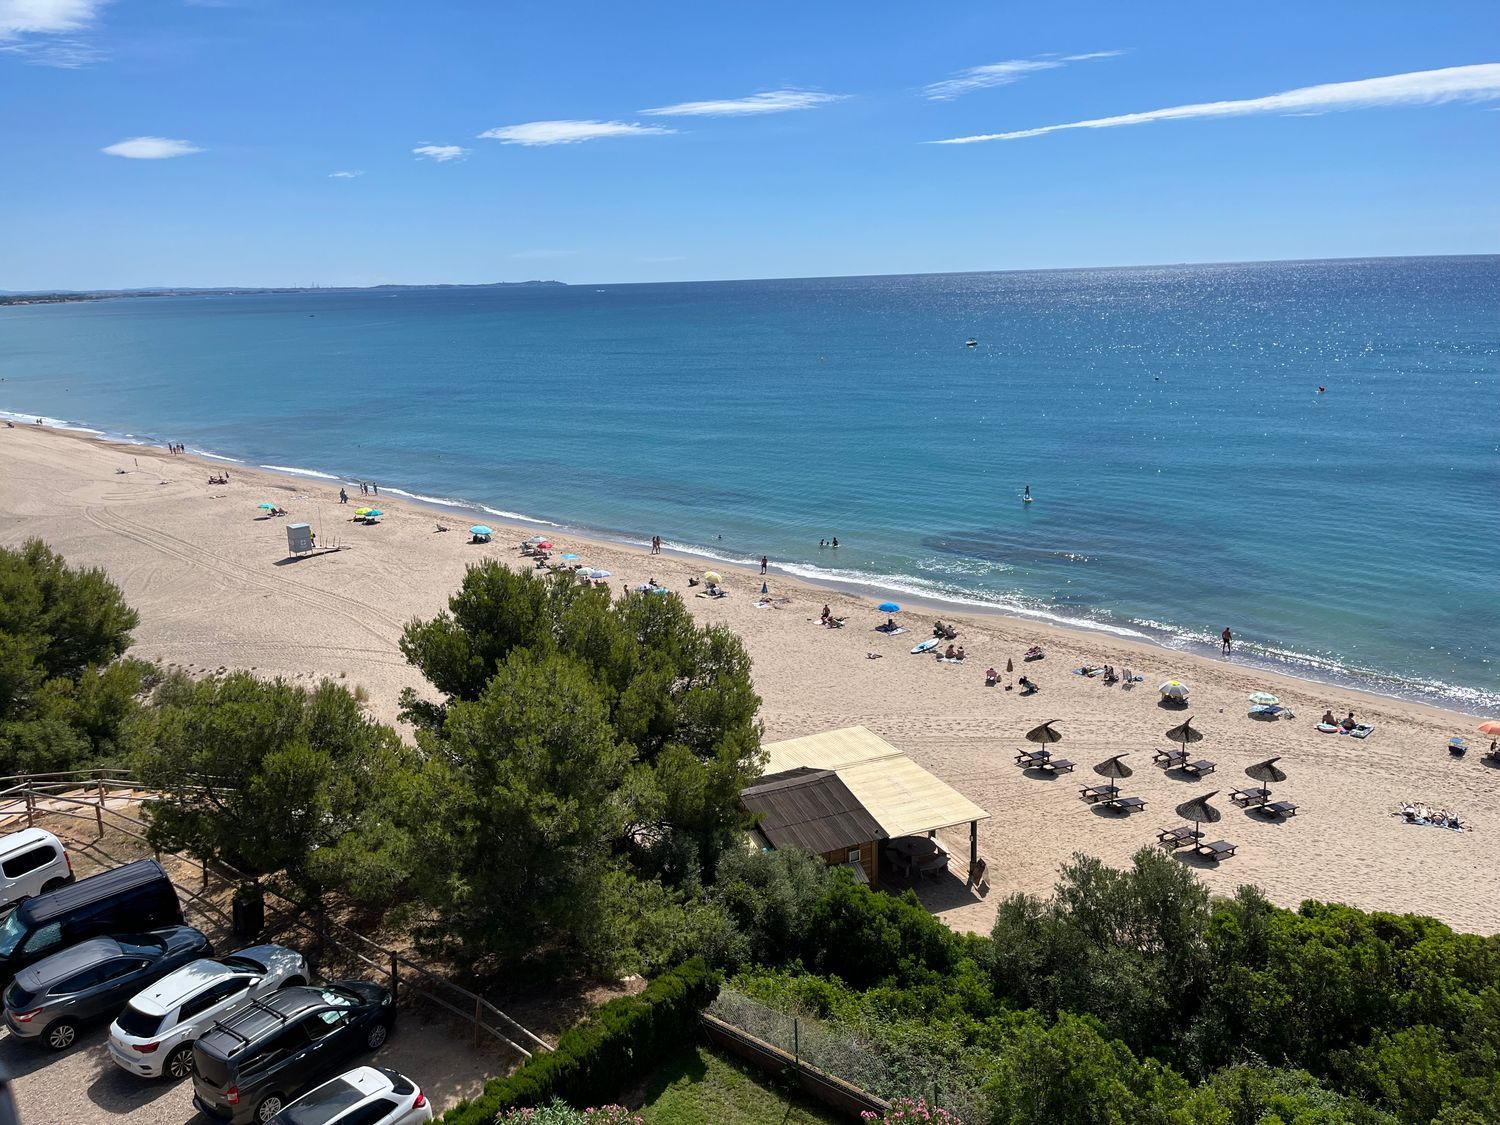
[927,646]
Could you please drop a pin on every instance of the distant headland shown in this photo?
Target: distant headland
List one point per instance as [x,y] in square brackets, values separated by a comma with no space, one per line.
[62,296]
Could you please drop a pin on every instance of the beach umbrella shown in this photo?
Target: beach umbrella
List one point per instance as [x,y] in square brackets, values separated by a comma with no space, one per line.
[597,574]
[713,576]
[363,511]
[1263,699]
[888,607]
[1185,733]
[1174,689]
[267,507]
[1114,769]
[1267,772]
[1044,734]
[1491,728]
[1009,665]
[536,539]
[1199,811]
[545,545]
[480,529]
[371,513]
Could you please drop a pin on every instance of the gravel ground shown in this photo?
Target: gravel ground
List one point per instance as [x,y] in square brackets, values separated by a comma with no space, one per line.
[81,1086]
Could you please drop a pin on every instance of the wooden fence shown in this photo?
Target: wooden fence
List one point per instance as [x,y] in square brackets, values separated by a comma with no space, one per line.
[87,795]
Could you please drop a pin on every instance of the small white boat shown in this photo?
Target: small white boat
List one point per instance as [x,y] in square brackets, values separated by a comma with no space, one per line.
[971,342]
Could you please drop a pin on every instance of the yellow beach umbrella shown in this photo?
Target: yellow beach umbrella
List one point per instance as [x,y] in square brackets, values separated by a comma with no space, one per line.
[713,576]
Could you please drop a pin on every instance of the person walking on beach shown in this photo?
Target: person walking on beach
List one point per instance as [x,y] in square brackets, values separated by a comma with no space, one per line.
[763,562]
[375,488]
[1228,638]
[343,497]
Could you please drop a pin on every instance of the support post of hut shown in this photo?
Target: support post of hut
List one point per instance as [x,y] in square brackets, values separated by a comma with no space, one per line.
[973,844]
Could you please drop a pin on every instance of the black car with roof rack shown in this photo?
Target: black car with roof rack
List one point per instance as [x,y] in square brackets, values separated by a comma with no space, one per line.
[250,1065]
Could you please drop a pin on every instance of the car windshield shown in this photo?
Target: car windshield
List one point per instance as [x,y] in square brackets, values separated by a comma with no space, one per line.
[323,1104]
[11,933]
[141,945]
[138,1024]
[243,964]
[339,998]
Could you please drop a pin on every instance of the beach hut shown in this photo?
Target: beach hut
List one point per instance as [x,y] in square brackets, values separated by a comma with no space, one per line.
[298,538]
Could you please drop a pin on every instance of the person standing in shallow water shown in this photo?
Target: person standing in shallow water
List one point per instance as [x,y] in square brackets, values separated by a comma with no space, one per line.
[1228,638]
[763,562]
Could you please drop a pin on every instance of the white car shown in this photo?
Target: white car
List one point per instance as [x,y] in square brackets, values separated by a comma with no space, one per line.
[371,1095]
[154,1034]
[32,862]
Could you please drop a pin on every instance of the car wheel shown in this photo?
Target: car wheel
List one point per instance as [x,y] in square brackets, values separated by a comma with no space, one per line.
[269,1107]
[180,1062]
[61,1035]
[53,885]
[293,982]
[376,1036]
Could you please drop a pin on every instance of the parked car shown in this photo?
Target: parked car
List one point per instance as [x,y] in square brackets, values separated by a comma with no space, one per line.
[32,862]
[249,1066]
[49,1000]
[154,1034]
[370,1095]
[129,899]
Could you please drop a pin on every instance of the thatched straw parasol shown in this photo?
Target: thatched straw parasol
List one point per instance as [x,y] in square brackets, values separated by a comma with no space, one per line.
[1199,811]
[1266,772]
[1044,734]
[1114,769]
[1185,733]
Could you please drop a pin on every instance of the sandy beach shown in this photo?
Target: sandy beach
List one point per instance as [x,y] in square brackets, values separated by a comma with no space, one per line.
[210,576]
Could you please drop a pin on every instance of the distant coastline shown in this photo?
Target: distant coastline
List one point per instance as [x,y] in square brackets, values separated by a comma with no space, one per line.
[59,297]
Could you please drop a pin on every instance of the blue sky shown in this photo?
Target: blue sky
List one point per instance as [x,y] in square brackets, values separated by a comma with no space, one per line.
[812,156]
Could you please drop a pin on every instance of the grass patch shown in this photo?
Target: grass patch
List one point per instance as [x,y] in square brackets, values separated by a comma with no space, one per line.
[698,1086]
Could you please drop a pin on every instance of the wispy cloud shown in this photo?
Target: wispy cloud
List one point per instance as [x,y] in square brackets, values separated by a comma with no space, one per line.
[569,132]
[344,175]
[45,32]
[441,154]
[1421,87]
[773,101]
[1004,73]
[150,148]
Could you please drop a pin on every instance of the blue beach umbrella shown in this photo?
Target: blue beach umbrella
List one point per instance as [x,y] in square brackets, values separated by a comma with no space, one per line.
[888,607]
[373,512]
[267,507]
[480,529]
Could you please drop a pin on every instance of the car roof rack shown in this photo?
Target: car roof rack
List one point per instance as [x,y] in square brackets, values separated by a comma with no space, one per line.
[255,1005]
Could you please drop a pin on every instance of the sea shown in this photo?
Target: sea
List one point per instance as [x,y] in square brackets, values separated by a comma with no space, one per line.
[1305,452]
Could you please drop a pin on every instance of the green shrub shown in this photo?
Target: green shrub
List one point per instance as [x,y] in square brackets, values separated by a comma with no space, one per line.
[594,1061]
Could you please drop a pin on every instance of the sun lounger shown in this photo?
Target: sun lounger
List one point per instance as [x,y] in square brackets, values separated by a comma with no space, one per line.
[979,875]
[1219,849]
[1198,768]
[1126,804]
[1279,809]
[1092,793]
[1057,765]
[1032,757]
[1170,759]
[1177,837]
[1250,798]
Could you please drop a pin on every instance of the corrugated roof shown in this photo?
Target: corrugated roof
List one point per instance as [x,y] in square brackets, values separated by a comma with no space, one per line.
[902,797]
[809,808]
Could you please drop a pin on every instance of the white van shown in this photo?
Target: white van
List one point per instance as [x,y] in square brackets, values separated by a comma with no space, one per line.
[32,862]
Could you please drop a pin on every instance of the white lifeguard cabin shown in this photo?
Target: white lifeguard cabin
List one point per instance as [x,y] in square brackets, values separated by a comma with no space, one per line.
[298,538]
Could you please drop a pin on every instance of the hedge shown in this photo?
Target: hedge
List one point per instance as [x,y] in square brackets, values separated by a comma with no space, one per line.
[597,1059]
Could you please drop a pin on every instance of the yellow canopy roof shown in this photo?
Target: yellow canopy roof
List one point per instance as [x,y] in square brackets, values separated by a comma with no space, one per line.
[904,799]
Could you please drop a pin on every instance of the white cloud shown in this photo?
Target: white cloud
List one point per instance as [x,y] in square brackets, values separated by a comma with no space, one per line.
[441,153]
[773,101]
[1004,73]
[1422,87]
[569,132]
[344,175]
[150,148]
[46,17]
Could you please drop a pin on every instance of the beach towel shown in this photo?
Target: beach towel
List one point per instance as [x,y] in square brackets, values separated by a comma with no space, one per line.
[890,632]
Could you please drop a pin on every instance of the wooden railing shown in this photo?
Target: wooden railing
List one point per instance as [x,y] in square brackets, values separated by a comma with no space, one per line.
[30,796]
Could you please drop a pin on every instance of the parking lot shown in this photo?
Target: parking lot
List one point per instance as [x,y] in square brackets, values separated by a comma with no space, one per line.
[81,1085]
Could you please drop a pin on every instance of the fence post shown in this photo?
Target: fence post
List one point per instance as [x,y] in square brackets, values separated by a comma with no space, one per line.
[30,806]
[478,1016]
[797,1045]
[395,978]
[99,817]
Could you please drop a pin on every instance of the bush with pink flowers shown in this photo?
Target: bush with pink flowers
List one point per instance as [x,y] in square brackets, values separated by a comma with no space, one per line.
[911,1110]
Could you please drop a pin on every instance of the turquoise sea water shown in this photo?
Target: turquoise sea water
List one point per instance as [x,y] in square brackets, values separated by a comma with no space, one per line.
[1187,474]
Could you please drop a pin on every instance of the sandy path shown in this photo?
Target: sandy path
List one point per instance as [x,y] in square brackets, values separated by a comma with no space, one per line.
[215,589]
